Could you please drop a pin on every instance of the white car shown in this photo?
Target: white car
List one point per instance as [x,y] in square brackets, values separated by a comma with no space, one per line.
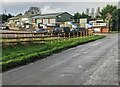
[2,26]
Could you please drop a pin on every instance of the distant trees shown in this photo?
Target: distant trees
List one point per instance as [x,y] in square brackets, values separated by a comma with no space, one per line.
[78,15]
[118,19]
[109,13]
[19,14]
[33,10]
[98,13]
[5,17]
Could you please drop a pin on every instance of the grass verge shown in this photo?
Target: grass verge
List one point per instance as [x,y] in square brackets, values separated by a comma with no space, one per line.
[15,56]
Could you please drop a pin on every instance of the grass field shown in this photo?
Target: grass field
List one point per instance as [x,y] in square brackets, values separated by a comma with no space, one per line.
[14,56]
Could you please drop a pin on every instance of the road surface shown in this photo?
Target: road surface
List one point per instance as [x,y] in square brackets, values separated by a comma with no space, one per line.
[95,63]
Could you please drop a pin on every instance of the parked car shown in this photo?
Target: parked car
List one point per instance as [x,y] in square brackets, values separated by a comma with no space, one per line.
[3,26]
[61,30]
[73,30]
[41,30]
[80,29]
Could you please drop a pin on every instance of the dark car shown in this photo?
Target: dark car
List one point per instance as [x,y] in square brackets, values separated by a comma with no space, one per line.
[80,29]
[41,30]
[73,30]
[61,30]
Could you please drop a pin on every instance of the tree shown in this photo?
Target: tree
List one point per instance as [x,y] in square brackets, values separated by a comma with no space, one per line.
[98,13]
[4,17]
[33,10]
[19,14]
[83,15]
[118,20]
[77,16]
[109,13]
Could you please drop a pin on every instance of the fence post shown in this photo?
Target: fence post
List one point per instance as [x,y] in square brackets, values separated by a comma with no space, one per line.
[73,34]
[69,36]
[77,34]
[6,37]
[86,33]
[51,37]
[81,34]
[64,36]
[17,39]
[33,37]
[58,37]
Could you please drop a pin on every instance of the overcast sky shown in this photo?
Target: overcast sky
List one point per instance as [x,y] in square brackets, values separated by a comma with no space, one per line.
[52,7]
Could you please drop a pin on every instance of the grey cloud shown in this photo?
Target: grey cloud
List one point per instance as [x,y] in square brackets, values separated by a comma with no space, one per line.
[72,7]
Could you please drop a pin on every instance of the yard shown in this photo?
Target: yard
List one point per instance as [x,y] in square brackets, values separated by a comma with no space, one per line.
[14,56]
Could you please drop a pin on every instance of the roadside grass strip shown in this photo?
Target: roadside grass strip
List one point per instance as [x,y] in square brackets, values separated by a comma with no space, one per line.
[15,56]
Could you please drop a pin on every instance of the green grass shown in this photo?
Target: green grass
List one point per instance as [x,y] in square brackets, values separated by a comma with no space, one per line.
[14,56]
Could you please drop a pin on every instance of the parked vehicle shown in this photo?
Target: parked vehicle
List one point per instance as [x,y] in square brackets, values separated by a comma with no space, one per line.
[80,29]
[73,30]
[61,30]
[3,26]
[41,30]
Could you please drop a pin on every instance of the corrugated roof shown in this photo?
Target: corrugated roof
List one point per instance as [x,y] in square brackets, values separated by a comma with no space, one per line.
[50,15]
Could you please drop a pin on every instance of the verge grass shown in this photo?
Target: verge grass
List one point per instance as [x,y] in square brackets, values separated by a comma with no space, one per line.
[15,56]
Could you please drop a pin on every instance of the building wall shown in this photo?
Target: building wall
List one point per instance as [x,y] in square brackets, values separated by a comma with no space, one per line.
[52,21]
[105,30]
[64,17]
[83,22]
[46,21]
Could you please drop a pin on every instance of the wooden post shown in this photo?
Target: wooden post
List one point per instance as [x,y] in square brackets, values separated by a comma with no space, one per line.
[51,37]
[33,38]
[86,33]
[64,36]
[81,34]
[6,37]
[73,34]
[77,34]
[69,36]
[23,37]
[58,37]
[16,37]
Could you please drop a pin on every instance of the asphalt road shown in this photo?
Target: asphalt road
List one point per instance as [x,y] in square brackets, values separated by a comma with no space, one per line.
[95,63]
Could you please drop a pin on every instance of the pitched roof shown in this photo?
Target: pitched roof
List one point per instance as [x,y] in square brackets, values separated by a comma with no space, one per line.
[21,16]
[50,15]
